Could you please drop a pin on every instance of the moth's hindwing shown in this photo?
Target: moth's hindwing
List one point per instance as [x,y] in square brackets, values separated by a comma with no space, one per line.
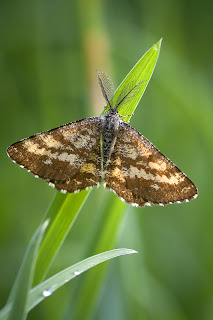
[141,175]
[67,157]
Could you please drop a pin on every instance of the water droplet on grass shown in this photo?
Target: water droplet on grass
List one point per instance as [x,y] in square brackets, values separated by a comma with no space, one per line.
[47,293]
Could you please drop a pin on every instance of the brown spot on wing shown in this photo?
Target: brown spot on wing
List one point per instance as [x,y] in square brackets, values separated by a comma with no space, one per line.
[147,175]
[67,157]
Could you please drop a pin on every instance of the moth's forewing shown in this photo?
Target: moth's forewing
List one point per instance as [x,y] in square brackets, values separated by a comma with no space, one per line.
[140,174]
[67,157]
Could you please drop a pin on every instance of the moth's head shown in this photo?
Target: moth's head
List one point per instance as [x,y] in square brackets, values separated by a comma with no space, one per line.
[112,112]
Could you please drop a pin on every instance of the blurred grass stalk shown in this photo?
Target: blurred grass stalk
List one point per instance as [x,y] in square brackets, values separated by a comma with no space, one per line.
[96,47]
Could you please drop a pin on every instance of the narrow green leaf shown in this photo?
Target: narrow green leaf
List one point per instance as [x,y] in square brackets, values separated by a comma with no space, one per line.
[94,279]
[141,72]
[52,284]
[46,288]
[24,279]
[62,214]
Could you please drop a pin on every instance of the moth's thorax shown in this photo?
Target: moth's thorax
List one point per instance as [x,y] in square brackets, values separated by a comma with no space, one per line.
[110,126]
[110,121]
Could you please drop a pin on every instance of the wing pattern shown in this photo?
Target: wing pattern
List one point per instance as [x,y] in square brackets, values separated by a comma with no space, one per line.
[67,157]
[140,174]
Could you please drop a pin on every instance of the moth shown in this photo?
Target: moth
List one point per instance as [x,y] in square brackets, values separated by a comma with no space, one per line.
[81,154]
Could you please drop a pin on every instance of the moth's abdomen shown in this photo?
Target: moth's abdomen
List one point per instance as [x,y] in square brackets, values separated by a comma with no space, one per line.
[109,133]
[108,142]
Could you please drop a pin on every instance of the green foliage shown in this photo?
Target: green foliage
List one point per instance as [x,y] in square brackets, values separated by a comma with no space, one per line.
[19,294]
[140,73]
[62,214]
[23,299]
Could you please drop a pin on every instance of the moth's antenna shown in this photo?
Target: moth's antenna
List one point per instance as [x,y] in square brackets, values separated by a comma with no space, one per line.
[128,93]
[107,87]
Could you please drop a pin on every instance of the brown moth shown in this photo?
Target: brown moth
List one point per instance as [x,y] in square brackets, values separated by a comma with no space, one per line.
[83,153]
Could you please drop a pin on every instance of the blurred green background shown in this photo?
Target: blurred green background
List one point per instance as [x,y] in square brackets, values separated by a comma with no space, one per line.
[48,57]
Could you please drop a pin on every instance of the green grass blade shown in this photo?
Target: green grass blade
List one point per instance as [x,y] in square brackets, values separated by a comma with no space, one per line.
[62,214]
[141,72]
[94,279]
[56,281]
[24,279]
[46,288]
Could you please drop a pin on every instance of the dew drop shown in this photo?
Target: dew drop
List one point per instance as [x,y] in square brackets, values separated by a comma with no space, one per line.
[47,293]
[76,273]
[132,251]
